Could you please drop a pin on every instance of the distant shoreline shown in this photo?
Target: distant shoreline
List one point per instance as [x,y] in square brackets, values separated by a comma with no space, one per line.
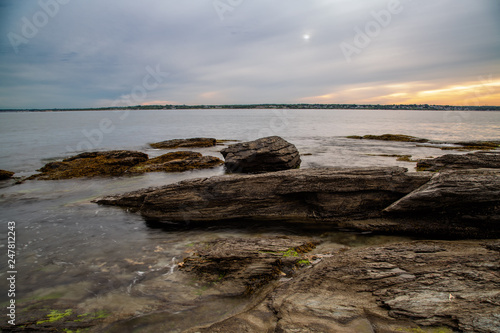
[411,107]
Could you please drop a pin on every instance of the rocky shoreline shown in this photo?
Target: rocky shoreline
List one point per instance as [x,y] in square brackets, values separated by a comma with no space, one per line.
[420,286]
[447,283]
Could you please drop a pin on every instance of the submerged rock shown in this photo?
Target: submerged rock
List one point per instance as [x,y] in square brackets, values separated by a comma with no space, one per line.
[266,154]
[185,143]
[406,287]
[389,137]
[241,265]
[4,174]
[176,162]
[307,194]
[120,162]
[468,161]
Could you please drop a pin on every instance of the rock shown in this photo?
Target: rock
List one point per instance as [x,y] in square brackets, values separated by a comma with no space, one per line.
[468,161]
[407,287]
[241,265]
[120,162]
[91,164]
[185,143]
[467,190]
[308,195]
[389,137]
[176,162]
[267,154]
[4,174]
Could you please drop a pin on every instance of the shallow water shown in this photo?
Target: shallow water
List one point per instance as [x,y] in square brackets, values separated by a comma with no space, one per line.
[77,255]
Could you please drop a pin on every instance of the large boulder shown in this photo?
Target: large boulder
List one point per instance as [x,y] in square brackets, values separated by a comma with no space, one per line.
[185,143]
[454,161]
[266,154]
[307,194]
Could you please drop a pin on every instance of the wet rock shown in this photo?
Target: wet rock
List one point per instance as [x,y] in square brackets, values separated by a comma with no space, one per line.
[479,145]
[395,288]
[185,143]
[266,154]
[389,137]
[176,162]
[91,164]
[308,195]
[4,174]
[240,266]
[468,161]
[120,162]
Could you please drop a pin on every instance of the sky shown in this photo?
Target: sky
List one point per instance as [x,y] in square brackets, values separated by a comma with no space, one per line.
[99,53]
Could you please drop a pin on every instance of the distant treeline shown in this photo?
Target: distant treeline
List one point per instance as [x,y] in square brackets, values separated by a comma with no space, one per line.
[423,107]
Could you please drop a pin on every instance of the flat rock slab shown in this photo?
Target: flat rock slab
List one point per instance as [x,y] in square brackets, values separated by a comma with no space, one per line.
[419,286]
[185,143]
[307,195]
[119,162]
[454,162]
[263,155]
[456,190]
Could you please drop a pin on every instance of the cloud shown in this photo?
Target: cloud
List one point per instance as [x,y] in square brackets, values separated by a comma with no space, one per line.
[93,52]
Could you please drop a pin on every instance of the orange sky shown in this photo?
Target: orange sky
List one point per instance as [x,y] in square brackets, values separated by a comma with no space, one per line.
[484,91]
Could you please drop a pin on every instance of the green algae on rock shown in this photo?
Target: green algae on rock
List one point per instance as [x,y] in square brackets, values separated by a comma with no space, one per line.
[176,162]
[185,143]
[389,137]
[119,162]
[4,174]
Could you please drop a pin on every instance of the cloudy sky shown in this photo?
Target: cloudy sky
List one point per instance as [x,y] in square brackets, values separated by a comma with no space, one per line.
[94,53]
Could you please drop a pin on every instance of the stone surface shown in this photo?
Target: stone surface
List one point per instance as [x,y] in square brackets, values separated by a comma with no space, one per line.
[4,174]
[120,162]
[244,265]
[266,154]
[185,143]
[456,190]
[420,286]
[308,195]
[389,137]
[454,161]
[176,162]
[91,164]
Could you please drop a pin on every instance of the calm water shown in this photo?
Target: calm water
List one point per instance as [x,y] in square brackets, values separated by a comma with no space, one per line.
[87,257]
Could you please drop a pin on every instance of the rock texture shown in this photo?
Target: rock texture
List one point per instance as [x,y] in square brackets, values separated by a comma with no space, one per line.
[267,154]
[244,265]
[185,143]
[176,162]
[120,162]
[468,161]
[307,194]
[421,286]
[4,174]
[389,137]
[451,191]
[91,164]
